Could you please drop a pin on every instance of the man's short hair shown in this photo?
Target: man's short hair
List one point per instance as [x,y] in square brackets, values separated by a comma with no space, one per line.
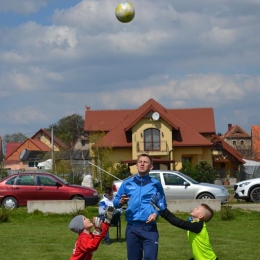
[145,155]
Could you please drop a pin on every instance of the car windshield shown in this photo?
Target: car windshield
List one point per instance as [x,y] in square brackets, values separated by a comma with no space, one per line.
[188,178]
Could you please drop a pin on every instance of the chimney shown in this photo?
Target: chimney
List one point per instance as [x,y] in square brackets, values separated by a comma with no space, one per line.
[229,127]
[88,107]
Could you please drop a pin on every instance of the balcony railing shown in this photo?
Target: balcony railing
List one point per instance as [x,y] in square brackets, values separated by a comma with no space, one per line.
[152,147]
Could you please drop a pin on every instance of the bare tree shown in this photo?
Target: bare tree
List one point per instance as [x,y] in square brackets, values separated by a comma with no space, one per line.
[13,138]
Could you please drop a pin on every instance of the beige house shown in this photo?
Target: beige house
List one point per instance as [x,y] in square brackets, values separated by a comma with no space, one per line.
[239,139]
[169,136]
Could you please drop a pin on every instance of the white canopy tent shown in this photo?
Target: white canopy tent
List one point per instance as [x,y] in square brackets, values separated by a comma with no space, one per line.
[250,170]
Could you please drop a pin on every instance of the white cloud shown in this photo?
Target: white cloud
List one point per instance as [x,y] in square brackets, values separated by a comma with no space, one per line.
[204,53]
[27,114]
[21,6]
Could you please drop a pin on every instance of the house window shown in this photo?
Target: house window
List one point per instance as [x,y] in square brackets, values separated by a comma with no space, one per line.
[242,142]
[152,140]
[234,142]
[32,164]
[186,159]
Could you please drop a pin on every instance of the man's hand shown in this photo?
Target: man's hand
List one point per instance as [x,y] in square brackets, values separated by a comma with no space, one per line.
[151,218]
[124,199]
[109,214]
[97,225]
[158,202]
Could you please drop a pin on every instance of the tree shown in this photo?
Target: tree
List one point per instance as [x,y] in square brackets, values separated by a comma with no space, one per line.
[202,172]
[100,154]
[3,172]
[68,128]
[13,138]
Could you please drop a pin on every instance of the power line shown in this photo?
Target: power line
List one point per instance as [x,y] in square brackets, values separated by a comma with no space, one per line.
[16,120]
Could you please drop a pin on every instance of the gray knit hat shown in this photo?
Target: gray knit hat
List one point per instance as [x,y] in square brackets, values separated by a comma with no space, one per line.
[76,224]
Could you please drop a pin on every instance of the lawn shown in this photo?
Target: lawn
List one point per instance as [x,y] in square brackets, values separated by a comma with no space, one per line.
[47,237]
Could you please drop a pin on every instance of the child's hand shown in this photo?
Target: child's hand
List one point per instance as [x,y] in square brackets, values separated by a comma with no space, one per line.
[158,202]
[109,214]
[97,225]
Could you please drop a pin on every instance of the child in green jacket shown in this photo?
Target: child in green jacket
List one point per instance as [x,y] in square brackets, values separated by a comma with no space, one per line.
[196,227]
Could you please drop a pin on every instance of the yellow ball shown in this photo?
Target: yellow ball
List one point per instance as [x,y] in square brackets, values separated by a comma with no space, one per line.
[125,12]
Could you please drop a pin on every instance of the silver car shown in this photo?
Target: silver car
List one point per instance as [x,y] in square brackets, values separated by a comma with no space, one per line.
[177,185]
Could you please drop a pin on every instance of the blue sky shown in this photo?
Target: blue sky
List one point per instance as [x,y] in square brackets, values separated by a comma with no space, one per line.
[57,57]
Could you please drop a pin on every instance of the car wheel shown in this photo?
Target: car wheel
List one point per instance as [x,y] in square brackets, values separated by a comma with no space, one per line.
[205,196]
[9,203]
[255,194]
[77,198]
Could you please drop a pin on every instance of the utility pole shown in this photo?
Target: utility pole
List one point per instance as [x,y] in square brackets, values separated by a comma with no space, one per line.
[52,149]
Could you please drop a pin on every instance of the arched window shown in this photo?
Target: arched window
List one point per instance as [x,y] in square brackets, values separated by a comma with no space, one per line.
[152,140]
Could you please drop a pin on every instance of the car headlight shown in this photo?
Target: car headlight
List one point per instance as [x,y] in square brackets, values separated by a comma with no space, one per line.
[224,190]
[95,193]
[244,184]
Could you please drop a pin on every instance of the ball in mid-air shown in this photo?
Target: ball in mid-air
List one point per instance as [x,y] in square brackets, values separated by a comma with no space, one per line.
[125,12]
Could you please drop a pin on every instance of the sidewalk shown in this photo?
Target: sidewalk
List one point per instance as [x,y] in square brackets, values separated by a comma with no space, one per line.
[243,205]
[246,206]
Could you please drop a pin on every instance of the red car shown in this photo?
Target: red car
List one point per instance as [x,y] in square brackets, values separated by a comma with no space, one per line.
[17,189]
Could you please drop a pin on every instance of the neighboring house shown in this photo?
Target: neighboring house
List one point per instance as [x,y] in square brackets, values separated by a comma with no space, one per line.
[169,136]
[239,139]
[226,159]
[44,136]
[255,132]
[26,155]
[82,143]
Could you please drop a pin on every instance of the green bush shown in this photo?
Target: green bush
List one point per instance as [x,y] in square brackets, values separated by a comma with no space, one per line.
[202,172]
[3,172]
[227,213]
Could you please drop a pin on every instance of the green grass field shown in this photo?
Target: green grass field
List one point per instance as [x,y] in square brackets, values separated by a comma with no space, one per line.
[47,237]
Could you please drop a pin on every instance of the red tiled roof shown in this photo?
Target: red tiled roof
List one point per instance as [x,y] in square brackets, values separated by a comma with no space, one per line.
[255,130]
[11,147]
[186,133]
[201,119]
[104,120]
[42,147]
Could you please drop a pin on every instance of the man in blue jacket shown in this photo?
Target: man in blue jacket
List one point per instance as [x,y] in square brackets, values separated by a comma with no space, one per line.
[141,231]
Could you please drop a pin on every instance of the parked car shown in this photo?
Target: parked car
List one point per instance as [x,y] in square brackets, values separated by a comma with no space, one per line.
[17,189]
[248,190]
[177,185]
